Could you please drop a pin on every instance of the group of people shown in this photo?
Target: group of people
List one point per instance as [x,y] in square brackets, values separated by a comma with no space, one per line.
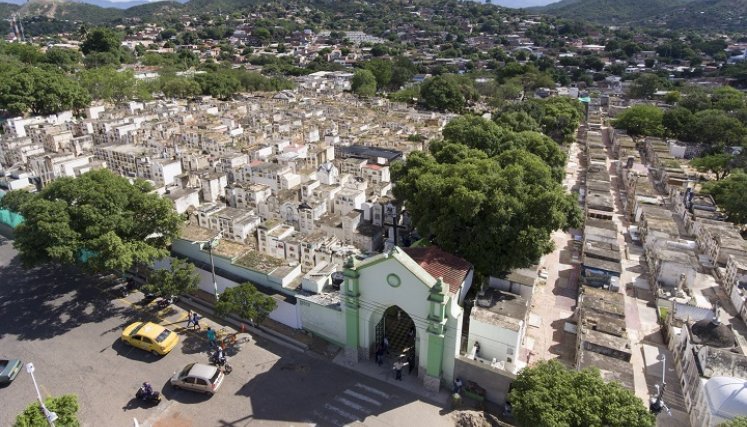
[399,364]
[194,320]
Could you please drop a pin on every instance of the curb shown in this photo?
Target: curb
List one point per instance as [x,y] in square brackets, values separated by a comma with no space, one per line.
[258,330]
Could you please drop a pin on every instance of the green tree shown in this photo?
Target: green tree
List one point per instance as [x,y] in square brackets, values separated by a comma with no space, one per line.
[403,69]
[40,91]
[442,94]
[101,40]
[101,59]
[735,422]
[179,279]
[728,99]
[180,88]
[719,164]
[98,220]
[641,120]
[381,69]
[245,301]
[13,200]
[475,132]
[221,85]
[498,213]
[364,83]
[729,195]
[548,394]
[66,59]
[678,122]
[645,85]
[106,83]
[517,121]
[65,406]
[718,129]
[696,100]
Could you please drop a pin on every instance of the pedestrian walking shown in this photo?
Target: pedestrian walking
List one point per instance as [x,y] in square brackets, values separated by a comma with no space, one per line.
[380,355]
[458,386]
[189,318]
[211,337]
[196,321]
[398,365]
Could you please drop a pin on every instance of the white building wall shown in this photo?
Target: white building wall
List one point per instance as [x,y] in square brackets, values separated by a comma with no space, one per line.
[324,321]
[495,341]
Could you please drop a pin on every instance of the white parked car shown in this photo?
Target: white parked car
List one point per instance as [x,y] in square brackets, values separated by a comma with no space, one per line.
[198,377]
[543,273]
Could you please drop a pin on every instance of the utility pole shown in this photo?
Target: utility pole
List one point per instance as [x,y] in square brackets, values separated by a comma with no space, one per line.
[49,415]
[657,404]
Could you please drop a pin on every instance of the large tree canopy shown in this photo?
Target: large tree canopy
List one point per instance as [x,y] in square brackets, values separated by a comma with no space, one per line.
[548,394]
[98,220]
[489,137]
[641,120]
[497,213]
[729,194]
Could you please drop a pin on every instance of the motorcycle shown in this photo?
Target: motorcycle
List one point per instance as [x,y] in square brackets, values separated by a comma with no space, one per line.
[143,395]
[165,302]
[221,363]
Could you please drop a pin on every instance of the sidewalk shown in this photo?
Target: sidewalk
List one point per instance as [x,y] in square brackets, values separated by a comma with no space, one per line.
[410,381]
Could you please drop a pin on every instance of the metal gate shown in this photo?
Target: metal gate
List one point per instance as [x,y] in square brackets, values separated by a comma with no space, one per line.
[380,332]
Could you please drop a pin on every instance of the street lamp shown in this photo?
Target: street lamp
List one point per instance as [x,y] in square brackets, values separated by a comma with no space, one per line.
[49,415]
[657,404]
[211,244]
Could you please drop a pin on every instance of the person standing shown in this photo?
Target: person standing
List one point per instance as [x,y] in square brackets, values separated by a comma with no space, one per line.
[196,321]
[410,362]
[386,345]
[189,319]
[398,365]
[211,337]
[379,355]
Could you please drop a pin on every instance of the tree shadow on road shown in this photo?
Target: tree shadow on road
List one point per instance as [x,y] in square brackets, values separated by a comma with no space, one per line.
[47,301]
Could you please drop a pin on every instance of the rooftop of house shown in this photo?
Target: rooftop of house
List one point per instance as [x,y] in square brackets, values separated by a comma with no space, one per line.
[523,276]
[439,263]
[611,369]
[602,301]
[500,308]
[602,339]
[226,248]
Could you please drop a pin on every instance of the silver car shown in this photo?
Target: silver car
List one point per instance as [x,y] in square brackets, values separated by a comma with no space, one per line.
[198,377]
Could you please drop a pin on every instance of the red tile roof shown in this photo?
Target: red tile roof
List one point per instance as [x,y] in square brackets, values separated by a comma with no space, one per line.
[439,263]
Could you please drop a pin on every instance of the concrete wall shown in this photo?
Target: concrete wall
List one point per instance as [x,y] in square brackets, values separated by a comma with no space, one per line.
[327,322]
[512,287]
[494,341]
[186,249]
[495,382]
[285,313]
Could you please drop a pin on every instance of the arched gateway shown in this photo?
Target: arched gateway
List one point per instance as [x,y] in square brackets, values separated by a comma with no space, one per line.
[396,295]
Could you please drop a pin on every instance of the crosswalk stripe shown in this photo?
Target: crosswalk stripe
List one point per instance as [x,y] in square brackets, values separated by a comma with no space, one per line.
[351,404]
[362,397]
[340,412]
[372,390]
[328,420]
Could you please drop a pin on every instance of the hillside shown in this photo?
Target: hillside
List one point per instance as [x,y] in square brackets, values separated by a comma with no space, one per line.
[725,15]
[80,11]
[6,9]
[611,12]
[717,15]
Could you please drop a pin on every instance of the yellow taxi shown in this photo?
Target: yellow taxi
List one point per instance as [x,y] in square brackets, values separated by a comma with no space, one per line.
[150,337]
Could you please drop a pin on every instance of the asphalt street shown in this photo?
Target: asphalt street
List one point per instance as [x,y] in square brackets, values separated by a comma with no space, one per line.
[68,325]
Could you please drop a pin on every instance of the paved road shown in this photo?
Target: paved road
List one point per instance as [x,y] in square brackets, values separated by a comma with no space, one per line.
[60,319]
